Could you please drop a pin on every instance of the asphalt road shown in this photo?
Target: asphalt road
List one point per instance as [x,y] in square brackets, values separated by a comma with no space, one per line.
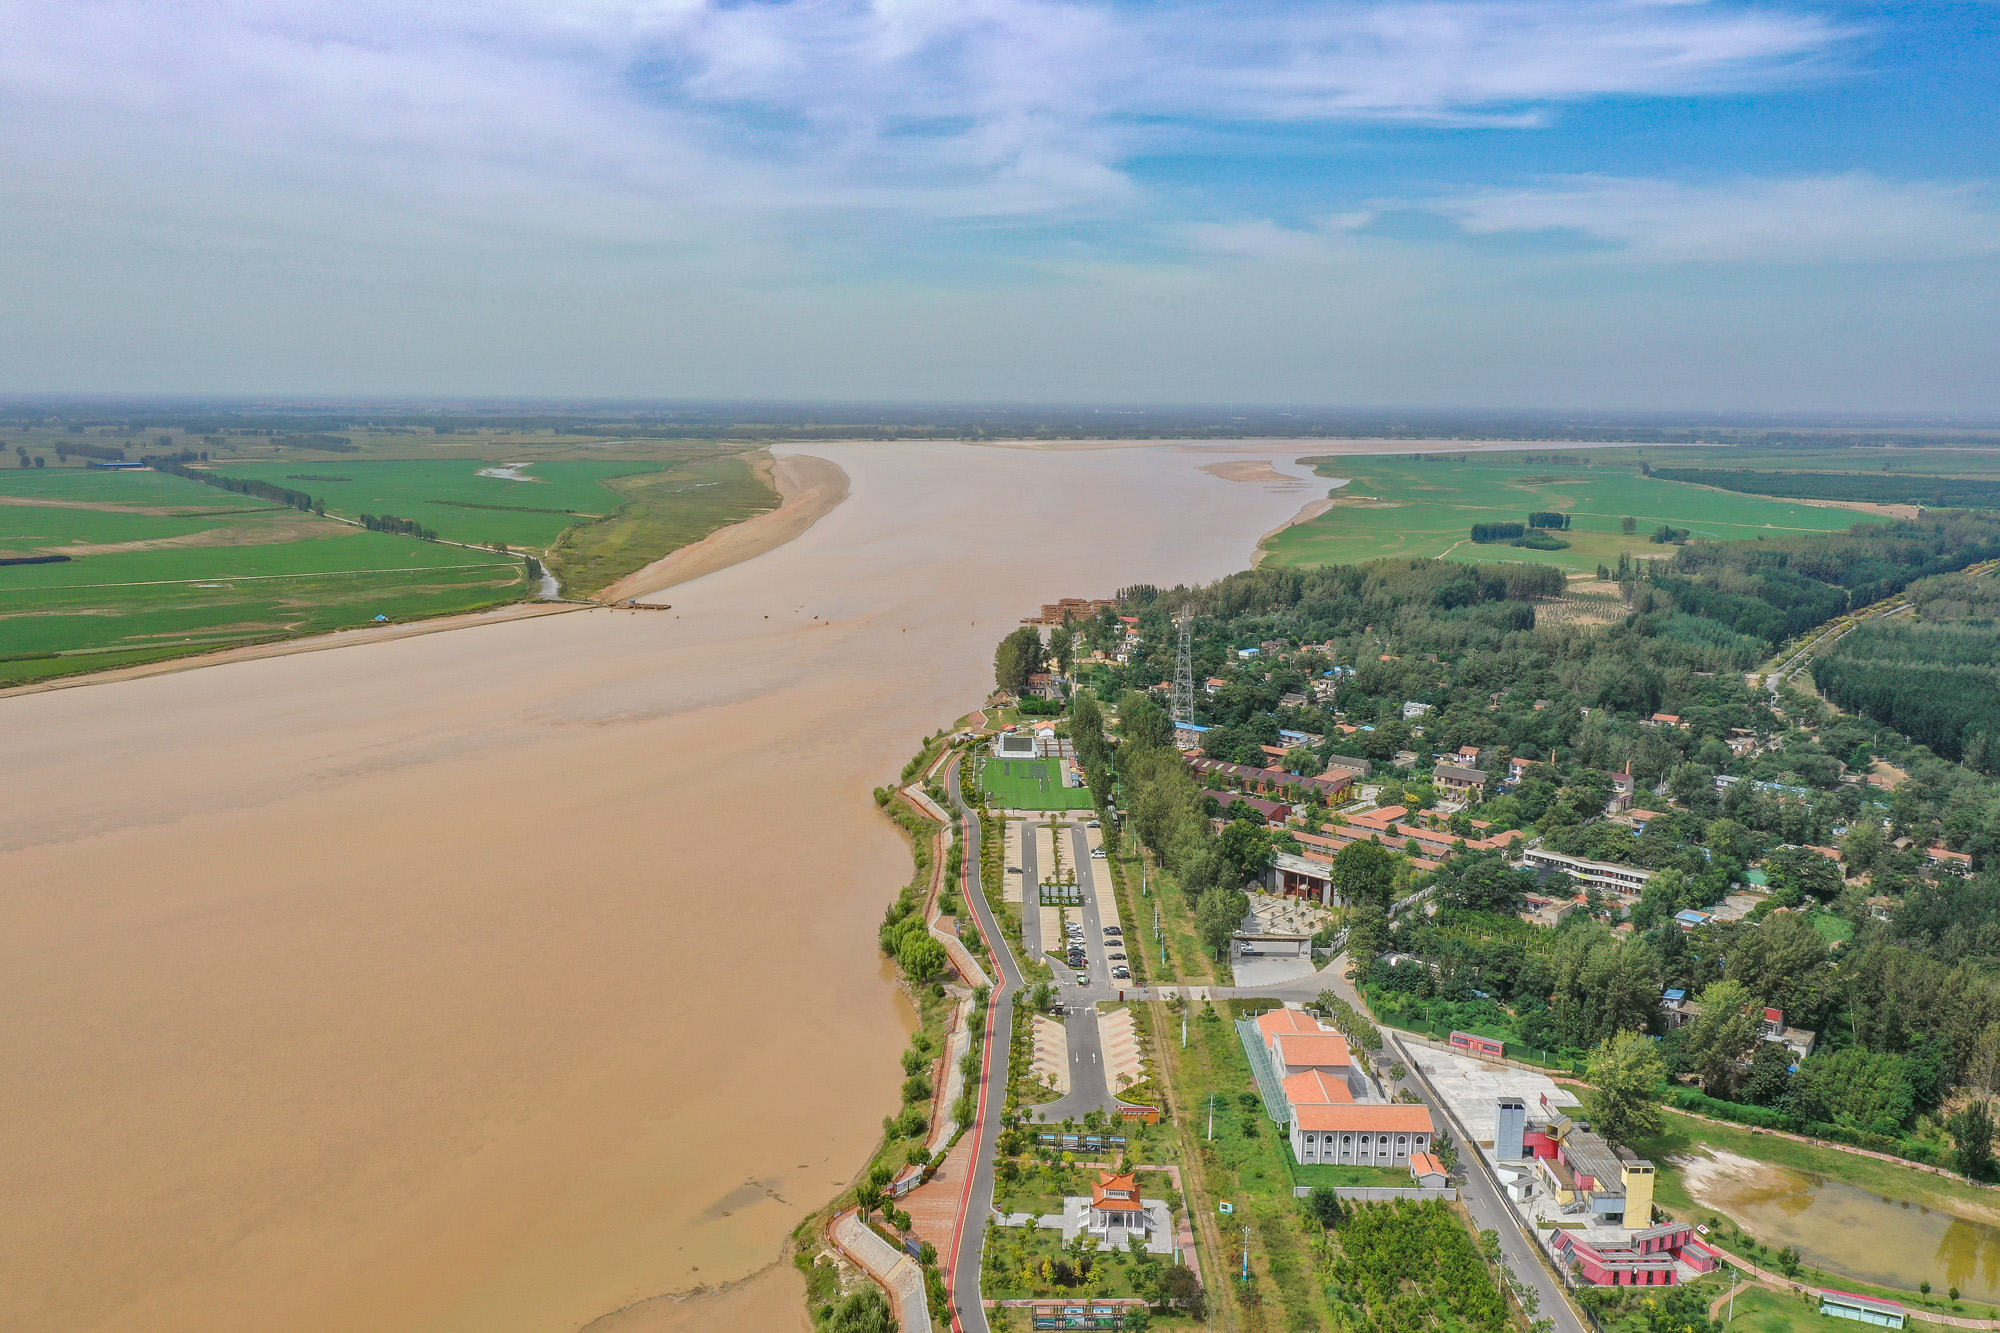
[1478,1189]
[968,1244]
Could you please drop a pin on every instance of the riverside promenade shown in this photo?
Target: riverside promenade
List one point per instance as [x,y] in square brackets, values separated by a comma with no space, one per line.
[894,1270]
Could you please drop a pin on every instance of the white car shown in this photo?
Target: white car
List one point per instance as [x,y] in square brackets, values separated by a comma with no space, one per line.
[1098,855]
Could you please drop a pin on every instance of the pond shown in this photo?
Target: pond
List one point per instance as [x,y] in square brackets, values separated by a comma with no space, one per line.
[1847,1230]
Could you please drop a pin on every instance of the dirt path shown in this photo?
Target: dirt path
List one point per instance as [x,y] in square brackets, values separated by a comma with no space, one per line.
[810,489]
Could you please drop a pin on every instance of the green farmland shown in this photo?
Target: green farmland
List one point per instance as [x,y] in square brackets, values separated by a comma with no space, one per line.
[1403,506]
[457,499]
[1030,784]
[159,566]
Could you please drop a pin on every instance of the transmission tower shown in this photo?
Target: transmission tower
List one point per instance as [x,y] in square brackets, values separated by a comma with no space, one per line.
[1184,672]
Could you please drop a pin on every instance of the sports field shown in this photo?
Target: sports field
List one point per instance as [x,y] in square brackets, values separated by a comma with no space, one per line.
[1400,506]
[1030,784]
[159,566]
[462,500]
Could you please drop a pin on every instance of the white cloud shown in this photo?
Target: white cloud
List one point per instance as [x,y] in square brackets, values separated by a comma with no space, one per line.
[937,108]
[1853,217]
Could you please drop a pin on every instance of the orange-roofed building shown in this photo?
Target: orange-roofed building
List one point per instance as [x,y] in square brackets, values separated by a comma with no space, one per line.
[1280,1021]
[1372,1134]
[1427,1172]
[1316,1087]
[1296,1052]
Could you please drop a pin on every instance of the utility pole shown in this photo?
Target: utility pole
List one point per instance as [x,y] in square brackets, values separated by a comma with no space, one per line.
[1184,672]
[1735,1276]
[1246,1254]
[1211,1107]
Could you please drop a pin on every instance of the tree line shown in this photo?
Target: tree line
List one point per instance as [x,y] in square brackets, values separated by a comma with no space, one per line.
[1876,488]
[263,490]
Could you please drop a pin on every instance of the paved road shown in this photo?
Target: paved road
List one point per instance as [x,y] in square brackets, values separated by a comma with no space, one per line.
[968,1242]
[1479,1189]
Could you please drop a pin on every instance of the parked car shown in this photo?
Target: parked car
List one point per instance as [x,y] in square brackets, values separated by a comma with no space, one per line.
[1121,974]
[1116,957]
[1114,930]
[1095,823]
[1098,855]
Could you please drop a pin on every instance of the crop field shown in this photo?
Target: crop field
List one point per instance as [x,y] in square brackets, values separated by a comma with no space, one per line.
[159,566]
[462,500]
[1030,784]
[1403,506]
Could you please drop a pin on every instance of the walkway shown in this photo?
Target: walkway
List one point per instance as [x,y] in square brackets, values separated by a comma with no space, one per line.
[1479,1189]
[896,1271]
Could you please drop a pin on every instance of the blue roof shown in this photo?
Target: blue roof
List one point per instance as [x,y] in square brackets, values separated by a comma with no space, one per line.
[1689,914]
[1189,726]
[1676,994]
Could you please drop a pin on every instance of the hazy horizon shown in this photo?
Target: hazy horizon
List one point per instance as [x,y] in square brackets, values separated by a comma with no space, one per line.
[1651,205]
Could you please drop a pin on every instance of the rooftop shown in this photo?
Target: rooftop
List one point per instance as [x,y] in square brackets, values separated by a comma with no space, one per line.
[1314,1088]
[1313,1048]
[1376,1118]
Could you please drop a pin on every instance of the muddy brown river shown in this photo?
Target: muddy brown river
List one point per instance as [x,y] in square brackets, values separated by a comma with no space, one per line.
[520,978]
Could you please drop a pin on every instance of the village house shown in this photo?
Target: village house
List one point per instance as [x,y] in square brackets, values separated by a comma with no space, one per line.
[1413,710]
[1619,879]
[1460,781]
[1677,1010]
[1231,804]
[1956,863]
[1332,788]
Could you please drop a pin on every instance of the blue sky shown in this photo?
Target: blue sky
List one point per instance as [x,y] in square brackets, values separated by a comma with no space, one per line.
[1591,203]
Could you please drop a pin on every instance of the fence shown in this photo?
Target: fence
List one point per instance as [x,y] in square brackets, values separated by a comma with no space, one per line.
[1381,1193]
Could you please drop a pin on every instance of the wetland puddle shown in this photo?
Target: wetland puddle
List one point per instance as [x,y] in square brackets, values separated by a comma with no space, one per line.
[1844,1229]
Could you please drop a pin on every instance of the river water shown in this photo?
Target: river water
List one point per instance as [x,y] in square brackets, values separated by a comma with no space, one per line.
[1850,1231]
[517,977]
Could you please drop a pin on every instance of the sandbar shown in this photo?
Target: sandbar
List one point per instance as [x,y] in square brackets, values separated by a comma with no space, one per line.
[808,489]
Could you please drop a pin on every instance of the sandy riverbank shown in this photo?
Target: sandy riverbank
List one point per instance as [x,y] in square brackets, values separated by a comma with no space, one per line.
[510,980]
[347,638]
[808,489]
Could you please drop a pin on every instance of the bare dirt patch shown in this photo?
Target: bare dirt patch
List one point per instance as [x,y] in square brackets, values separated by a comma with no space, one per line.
[267,535]
[1251,469]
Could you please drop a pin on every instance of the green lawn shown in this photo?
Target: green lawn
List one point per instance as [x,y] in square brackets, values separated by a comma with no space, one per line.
[1372,1177]
[1030,784]
[1398,506]
[453,499]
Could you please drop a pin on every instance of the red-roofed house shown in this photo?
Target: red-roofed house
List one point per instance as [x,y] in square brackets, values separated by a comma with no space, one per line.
[1958,863]
[1427,1172]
